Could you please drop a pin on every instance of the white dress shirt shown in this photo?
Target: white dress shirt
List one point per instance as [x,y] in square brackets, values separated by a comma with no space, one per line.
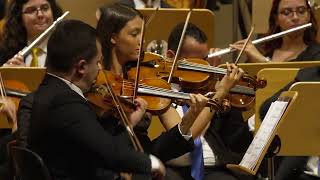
[185,160]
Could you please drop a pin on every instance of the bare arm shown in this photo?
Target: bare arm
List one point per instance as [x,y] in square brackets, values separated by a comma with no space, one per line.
[222,89]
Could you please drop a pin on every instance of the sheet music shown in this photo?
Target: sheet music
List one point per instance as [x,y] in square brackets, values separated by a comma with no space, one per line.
[263,135]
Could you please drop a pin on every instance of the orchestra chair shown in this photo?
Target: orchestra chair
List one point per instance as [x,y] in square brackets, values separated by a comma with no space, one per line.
[28,165]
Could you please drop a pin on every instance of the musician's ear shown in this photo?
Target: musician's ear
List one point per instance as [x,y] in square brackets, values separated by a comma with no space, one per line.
[170,53]
[81,67]
[113,39]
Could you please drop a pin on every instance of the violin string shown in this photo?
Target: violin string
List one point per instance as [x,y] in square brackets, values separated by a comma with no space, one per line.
[126,85]
[122,113]
[184,62]
[205,67]
[158,90]
[163,92]
[208,67]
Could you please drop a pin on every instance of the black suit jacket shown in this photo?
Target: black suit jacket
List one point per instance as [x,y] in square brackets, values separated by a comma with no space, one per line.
[229,137]
[130,3]
[168,145]
[66,133]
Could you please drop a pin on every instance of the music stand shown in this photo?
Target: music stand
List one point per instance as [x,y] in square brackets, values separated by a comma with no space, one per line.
[298,129]
[289,96]
[167,18]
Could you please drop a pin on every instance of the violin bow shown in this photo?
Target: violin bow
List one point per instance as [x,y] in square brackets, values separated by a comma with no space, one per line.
[143,26]
[2,89]
[245,45]
[152,17]
[123,116]
[136,83]
[180,44]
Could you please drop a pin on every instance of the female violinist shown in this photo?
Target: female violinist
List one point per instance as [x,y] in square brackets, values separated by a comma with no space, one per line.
[119,31]
[297,46]
[26,20]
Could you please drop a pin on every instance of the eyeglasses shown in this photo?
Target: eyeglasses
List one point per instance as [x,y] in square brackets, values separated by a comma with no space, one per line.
[300,11]
[34,10]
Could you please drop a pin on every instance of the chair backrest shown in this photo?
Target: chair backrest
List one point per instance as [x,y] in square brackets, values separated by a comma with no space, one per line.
[29,165]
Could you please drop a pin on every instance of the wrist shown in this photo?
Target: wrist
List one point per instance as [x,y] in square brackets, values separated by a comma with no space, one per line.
[155,163]
[186,123]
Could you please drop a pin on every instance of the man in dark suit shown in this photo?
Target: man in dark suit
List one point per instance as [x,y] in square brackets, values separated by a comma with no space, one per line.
[144,3]
[227,137]
[64,129]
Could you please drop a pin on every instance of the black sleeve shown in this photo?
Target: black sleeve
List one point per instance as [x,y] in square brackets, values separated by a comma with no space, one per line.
[291,166]
[78,122]
[23,119]
[171,144]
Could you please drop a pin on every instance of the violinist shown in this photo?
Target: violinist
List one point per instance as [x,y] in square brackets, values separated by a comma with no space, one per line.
[218,132]
[194,44]
[297,46]
[119,30]
[25,21]
[64,129]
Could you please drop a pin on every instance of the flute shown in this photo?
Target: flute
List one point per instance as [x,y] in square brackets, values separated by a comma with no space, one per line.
[27,49]
[261,40]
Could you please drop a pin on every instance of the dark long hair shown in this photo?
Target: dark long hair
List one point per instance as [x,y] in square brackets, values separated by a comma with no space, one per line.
[2,8]
[309,34]
[14,36]
[112,19]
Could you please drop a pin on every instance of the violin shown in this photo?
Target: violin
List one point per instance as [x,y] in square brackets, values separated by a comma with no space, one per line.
[157,66]
[15,90]
[156,92]
[11,93]
[195,74]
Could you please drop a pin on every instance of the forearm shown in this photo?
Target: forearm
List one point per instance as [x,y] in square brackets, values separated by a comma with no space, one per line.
[257,58]
[170,118]
[206,114]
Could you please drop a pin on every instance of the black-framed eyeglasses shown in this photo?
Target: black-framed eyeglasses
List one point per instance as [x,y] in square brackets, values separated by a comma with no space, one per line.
[34,10]
[300,11]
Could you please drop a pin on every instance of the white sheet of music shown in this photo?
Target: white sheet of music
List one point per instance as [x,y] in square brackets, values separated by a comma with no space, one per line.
[263,135]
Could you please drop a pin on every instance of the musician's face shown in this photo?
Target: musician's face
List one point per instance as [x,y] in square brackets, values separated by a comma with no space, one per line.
[292,13]
[127,41]
[93,68]
[191,48]
[36,17]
